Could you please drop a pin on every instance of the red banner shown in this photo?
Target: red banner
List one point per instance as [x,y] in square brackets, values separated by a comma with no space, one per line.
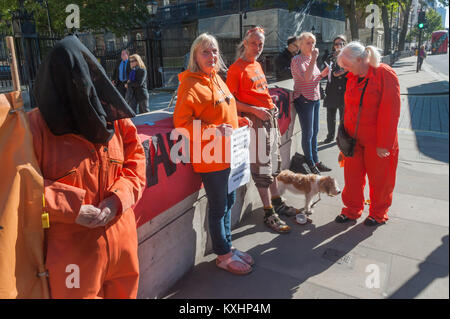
[167,183]
[282,100]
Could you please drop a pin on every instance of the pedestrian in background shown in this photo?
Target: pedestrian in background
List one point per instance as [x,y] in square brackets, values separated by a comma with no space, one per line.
[372,97]
[422,56]
[93,165]
[283,59]
[203,96]
[307,78]
[335,90]
[248,84]
[121,72]
[137,93]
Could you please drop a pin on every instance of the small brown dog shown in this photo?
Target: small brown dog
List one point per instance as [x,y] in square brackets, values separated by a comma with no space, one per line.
[310,185]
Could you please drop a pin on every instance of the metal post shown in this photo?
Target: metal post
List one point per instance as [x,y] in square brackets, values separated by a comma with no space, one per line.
[240,21]
[373,26]
[418,50]
[49,19]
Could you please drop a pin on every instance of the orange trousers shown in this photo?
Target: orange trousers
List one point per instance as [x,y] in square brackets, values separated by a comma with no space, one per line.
[381,173]
[94,263]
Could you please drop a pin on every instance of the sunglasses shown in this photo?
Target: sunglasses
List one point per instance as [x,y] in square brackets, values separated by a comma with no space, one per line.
[132,60]
[341,44]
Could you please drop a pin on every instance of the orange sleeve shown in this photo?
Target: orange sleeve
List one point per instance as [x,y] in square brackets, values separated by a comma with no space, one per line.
[233,80]
[242,121]
[62,201]
[389,110]
[131,183]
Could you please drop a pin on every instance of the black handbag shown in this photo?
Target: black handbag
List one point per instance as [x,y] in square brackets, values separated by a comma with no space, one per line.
[345,142]
[299,165]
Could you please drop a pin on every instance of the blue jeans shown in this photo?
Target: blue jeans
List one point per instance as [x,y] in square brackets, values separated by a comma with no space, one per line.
[308,114]
[219,214]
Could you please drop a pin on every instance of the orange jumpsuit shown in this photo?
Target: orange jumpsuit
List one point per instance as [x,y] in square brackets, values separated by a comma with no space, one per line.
[377,129]
[86,262]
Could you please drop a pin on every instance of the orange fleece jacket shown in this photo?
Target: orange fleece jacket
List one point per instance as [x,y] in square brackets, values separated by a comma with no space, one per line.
[207,99]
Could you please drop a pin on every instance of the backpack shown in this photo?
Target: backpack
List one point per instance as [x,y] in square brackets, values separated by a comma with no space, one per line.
[299,165]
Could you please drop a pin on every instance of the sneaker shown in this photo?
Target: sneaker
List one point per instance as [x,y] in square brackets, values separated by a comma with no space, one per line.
[321,167]
[285,210]
[314,170]
[328,140]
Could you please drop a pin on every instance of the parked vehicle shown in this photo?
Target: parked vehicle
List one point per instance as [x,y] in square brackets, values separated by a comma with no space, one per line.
[439,42]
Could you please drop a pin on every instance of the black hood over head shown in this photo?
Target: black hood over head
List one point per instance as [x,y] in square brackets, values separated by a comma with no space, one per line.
[75,95]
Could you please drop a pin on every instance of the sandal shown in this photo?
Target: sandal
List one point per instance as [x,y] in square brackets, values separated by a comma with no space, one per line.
[276,224]
[285,210]
[244,256]
[227,265]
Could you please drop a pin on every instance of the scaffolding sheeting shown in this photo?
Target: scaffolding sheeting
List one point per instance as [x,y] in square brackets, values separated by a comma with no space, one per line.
[279,25]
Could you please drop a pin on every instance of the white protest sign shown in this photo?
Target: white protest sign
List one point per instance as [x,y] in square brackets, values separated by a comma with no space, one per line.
[240,158]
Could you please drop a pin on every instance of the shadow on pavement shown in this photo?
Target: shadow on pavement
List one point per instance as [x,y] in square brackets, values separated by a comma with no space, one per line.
[427,273]
[282,264]
[430,119]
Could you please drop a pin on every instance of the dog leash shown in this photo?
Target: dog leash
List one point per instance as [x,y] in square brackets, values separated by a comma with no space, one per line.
[315,202]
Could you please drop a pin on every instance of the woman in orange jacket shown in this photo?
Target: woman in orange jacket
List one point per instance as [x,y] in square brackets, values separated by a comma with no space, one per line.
[376,151]
[93,165]
[206,113]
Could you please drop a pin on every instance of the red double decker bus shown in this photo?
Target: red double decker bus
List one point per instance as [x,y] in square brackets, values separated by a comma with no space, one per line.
[439,42]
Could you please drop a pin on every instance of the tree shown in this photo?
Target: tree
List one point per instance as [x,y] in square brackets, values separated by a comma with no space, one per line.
[405,7]
[117,16]
[433,23]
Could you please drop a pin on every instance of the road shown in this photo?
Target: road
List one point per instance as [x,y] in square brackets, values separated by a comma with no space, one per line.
[439,63]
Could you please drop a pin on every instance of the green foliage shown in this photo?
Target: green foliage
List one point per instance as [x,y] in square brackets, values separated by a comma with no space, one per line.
[433,23]
[117,16]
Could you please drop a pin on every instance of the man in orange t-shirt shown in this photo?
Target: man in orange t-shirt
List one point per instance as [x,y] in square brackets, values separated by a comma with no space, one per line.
[247,82]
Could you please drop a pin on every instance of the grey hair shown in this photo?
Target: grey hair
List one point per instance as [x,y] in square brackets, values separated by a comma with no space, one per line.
[204,40]
[307,35]
[356,49]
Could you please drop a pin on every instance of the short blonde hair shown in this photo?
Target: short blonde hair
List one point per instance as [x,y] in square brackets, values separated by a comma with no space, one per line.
[306,35]
[138,59]
[204,40]
[356,49]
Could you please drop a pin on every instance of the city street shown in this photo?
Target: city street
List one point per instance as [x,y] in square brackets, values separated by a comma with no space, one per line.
[329,260]
[439,63]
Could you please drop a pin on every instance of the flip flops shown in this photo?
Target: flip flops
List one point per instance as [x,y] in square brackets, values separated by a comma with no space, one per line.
[226,265]
[244,256]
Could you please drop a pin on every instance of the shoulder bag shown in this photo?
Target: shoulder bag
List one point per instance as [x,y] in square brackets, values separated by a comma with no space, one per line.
[345,142]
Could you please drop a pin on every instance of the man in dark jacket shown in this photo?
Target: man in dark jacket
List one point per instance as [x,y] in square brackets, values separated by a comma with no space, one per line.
[335,90]
[122,72]
[283,60]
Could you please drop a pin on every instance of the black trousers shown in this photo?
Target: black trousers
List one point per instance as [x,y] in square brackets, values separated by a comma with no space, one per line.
[331,120]
[121,88]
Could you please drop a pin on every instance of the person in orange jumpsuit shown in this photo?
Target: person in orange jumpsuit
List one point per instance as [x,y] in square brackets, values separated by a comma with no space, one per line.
[93,166]
[376,151]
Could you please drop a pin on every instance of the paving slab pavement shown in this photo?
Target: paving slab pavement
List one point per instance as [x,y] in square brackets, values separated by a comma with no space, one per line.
[406,258]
